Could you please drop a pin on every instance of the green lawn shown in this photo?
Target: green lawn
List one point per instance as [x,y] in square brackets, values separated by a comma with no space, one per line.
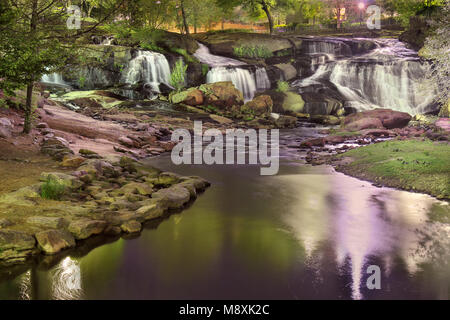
[422,166]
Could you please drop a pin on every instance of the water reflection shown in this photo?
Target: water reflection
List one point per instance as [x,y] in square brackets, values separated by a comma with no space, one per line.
[362,222]
[66,280]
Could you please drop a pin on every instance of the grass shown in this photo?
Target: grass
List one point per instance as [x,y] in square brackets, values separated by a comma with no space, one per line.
[52,189]
[178,75]
[255,52]
[414,165]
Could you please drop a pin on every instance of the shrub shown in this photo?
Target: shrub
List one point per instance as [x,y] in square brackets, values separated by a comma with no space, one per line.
[282,86]
[52,189]
[148,38]
[178,76]
[253,52]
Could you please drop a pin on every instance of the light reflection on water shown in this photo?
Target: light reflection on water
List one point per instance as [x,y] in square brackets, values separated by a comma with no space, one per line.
[306,233]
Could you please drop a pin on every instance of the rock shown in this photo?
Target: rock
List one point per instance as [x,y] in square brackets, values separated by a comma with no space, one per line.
[5,133]
[5,223]
[445,110]
[317,142]
[42,125]
[15,246]
[223,95]
[112,231]
[72,161]
[286,122]
[69,181]
[133,188]
[127,142]
[54,241]
[151,211]
[220,119]
[325,120]
[24,196]
[83,229]
[48,222]
[288,70]
[335,139]
[131,227]
[364,123]
[199,183]
[259,106]
[6,123]
[174,197]
[191,97]
[56,147]
[443,123]
[389,119]
[377,132]
[89,154]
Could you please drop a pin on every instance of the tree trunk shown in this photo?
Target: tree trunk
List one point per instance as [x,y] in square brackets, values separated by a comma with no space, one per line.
[183,13]
[223,24]
[28,105]
[269,16]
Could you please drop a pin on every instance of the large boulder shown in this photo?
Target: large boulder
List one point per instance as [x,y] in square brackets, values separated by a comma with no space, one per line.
[83,229]
[174,197]
[192,97]
[259,106]
[54,241]
[388,119]
[223,95]
[152,209]
[288,70]
[15,246]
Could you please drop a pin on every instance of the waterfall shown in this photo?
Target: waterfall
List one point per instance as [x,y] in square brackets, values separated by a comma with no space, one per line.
[242,79]
[262,79]
[227,69]
[53,78]
[150,67]
[389,76]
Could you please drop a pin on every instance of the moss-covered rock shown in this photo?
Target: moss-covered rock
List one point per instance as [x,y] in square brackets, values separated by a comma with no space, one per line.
[15,246]
[174,197]
[54,241]
[84,228]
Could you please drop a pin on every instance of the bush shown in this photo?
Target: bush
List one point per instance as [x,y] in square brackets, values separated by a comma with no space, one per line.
[282,86]
[178,76]
[52,189]
[252,52]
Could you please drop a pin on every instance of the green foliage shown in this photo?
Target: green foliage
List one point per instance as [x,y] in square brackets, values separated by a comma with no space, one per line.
[282,86]
[178,76]
[52,189]
[148,38]
[254,52]
[205,69]
[82,81]
[121,31]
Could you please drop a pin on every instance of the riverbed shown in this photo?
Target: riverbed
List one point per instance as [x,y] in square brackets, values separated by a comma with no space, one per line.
[306,233]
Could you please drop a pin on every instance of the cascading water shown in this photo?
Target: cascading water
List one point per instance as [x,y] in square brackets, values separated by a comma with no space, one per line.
[227,69]
[149,67]
[242,79]
[389,76]
[54,78]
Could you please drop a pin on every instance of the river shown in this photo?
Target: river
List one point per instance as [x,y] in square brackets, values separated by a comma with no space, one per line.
[306,233]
